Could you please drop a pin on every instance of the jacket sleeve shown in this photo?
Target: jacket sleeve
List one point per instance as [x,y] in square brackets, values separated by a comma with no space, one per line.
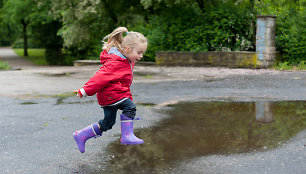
[100,80]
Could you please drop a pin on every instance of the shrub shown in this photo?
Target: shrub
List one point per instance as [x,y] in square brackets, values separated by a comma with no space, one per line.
[291,35]
[181,28]
[290,28]
[4,65]
[31,43]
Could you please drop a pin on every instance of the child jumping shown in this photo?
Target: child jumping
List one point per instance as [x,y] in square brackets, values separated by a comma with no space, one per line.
[112,85]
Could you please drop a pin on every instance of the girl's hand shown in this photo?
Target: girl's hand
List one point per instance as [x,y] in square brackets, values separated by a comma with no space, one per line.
[78,94]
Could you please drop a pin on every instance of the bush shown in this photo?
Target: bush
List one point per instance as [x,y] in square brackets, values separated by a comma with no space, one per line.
[4,65]
[31,43]
[181,28]
[54,56]
[290,28]
[291,35]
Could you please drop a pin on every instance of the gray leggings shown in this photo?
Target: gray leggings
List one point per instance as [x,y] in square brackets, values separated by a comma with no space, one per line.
[110,112]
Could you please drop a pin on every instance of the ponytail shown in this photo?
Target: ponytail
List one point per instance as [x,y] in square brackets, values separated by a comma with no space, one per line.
[114,39]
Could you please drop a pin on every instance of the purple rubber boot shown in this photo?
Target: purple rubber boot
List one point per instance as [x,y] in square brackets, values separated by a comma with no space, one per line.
[81,136]
[127,134]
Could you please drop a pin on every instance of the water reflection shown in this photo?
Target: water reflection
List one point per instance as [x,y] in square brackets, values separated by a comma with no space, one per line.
[264,112]
[198,129]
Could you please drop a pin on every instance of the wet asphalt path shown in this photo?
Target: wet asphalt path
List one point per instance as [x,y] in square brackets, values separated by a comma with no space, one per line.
[36,131]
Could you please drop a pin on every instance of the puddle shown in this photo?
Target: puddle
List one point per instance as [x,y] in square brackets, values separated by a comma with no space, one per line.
[146,104]
[147,75]
[206,128]
[61,101]
[57,74]
[28,103]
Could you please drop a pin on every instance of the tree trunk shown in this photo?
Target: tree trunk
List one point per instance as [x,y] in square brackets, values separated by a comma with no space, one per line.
[10,35]
[110,11]
[252,5]
[253,24]
[201,5]
[25,37]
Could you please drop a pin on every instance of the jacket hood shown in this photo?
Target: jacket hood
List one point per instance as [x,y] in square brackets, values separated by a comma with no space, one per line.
[113,54]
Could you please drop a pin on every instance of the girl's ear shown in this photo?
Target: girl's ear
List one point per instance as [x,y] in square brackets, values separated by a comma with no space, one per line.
[127,49]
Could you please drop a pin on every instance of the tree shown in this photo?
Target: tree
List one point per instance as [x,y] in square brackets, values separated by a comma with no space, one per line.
[44,28]
[80,19]
[17,12]
[85,22]
[5,39]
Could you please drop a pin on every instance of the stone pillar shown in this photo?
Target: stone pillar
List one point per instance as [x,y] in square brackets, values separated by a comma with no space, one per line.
[265,41]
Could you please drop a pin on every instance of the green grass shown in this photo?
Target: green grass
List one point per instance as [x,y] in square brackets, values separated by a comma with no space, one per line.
[4,65]
[284,66]
[36,56]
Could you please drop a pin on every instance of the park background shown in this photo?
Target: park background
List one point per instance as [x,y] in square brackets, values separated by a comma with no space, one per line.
[39,112]
[61,31]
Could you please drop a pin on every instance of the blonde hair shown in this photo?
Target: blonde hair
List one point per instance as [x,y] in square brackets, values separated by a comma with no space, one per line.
[116,39]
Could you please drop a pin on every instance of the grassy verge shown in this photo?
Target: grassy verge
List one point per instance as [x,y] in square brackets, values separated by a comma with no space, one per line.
[283,66]
[37,56]
[4,65]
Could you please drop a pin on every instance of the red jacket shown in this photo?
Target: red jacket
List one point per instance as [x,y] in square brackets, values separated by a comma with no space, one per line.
[112,82]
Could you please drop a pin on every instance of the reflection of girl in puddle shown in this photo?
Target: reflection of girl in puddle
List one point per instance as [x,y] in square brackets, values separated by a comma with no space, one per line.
[112,86]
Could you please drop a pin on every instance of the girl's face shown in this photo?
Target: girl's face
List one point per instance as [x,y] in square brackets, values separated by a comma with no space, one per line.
[136,53]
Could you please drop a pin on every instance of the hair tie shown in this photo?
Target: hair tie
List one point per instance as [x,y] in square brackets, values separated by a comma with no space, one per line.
[127,32]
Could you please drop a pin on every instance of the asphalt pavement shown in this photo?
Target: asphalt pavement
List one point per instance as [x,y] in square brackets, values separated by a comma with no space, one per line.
[38,115]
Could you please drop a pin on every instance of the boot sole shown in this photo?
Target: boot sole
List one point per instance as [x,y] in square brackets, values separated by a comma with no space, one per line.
[130,143]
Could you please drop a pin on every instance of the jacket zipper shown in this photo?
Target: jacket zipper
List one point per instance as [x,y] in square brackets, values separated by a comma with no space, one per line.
[132,72]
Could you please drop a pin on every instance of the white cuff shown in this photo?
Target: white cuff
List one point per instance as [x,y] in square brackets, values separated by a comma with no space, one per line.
[83,92]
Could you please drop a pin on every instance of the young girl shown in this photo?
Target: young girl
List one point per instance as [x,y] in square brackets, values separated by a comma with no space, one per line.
[112,86]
